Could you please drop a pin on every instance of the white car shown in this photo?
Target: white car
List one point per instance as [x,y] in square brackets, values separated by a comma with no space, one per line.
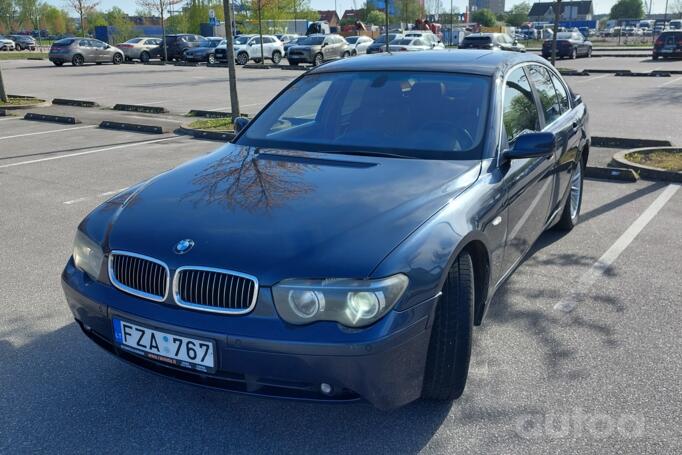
[428,37]
[247,47]
[6,44]
[358,44]
[409,44]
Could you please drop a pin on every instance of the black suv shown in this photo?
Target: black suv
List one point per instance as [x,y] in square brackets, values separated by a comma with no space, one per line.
[668,45]
[178,44]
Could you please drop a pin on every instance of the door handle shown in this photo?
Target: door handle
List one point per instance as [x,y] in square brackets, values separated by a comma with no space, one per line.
[575,126]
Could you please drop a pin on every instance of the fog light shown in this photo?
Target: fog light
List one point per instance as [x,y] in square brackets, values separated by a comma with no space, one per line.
[326,388]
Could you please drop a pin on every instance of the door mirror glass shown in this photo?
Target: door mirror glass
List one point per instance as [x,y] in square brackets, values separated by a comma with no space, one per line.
[531,145]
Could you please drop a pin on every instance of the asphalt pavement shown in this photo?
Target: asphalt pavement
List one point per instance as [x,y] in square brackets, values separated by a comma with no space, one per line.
[579,353]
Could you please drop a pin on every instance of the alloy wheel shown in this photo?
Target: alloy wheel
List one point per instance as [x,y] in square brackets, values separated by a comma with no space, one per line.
[576,190]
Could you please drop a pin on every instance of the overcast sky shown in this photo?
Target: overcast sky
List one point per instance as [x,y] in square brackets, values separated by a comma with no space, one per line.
[600,6]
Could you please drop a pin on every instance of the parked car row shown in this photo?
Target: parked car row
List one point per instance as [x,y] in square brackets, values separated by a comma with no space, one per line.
[17,42]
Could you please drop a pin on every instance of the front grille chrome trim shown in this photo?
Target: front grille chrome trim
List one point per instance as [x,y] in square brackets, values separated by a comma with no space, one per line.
[209,309]
[117,284]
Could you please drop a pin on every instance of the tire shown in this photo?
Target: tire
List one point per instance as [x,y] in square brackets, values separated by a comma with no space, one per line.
[570,215]
[589,52]
[98,63]
[574,54]
[276,57]
[354,53]
[318,60]
[117,59]
[447,361]
[654,57]
[345,55]
[293,63]
[211,59]
[58,63]
[77,60]
[144,57]
[242,58]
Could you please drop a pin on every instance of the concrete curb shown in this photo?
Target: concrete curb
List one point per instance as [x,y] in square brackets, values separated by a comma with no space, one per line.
[648,172]
[140,108]
[573,73]
[38,103]
[629,73]
[611,173]
[189,64]
[135,127]
[615,71]
[77,103]
[209,135]
[627,143]
[211,114]
[295,67]
[51,118]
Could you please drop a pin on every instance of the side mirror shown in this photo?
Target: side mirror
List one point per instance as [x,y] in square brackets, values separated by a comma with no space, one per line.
[577,99]
[240,123]
[106,46]
[531,145]
[515,42]
[324,44]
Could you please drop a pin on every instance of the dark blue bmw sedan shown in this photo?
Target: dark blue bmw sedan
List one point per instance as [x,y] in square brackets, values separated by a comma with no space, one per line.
[347,241]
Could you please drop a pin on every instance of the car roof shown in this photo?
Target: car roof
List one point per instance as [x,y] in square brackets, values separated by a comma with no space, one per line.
[482,62]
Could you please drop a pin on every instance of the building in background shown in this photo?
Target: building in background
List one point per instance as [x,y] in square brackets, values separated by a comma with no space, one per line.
[330,16]
[570,11]
[496,6]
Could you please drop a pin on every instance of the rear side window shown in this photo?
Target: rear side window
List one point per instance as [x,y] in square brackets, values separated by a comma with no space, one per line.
[477,39]
[520,113]
[549,100]
[562,93]
[63,43]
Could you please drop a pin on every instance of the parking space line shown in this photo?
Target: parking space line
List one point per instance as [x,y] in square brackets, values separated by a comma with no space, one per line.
[598,269]
[9,118]
[152,103]
[105,194]
[671,82]
[591,78]
[48,132]
[89,152]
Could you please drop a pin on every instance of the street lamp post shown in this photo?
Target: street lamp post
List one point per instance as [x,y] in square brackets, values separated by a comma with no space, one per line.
[386,14]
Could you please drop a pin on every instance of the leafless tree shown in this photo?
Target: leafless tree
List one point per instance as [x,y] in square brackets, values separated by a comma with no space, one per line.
[83,8]
[159,6]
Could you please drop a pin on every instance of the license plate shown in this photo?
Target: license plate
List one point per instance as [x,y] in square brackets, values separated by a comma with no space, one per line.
[667,51]
[165,347]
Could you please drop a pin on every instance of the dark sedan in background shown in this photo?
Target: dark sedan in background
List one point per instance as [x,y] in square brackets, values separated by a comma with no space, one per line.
[668,45]
[568,44]
[379,44]
[206,51]
[494,41]
[344,244]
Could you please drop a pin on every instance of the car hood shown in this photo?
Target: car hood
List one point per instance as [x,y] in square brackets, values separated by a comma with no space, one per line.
[283,214]
[300,47]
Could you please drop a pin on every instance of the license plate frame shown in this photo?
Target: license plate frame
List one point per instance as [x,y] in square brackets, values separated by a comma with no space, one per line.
[137,343]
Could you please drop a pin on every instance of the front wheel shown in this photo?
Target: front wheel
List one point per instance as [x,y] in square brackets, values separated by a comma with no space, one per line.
[118,59]
[242,58]
[318,60]
[447,360]
[211,59]
[589,52]
[571,213]
[574,54]
[654,57]
[276,57]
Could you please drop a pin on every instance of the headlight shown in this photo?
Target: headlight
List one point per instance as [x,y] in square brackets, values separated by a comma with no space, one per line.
[353,303]
[87,255]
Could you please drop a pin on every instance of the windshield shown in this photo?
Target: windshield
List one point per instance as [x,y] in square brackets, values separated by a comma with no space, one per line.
[212,43]
[565,35]
[420,114]
[63,42]
[312,40]
[352,39]
[382,38]
[241,39]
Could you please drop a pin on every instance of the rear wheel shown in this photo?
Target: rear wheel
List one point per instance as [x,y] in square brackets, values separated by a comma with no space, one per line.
[574,54]
[144,57]
[276,57]
[571,213]
[77,60]
[589,52]
[242,58]
[345,55]
[447,361]
[58,63]
[118,59]
[654,57]
[211,59]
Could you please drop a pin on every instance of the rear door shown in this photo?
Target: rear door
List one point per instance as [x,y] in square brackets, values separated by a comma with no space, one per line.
[86,49]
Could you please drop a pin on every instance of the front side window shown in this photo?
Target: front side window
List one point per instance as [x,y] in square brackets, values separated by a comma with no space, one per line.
[542,82]
[562,93]
[520,114]
[420,114]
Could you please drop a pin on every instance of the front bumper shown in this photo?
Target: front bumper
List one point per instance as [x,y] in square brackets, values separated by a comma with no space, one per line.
[260,354]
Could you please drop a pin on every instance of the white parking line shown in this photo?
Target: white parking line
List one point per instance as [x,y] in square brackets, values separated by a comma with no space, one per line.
[9,118]
[89,152]
[105,194]
[48,132]
[152,103]
[674,81]
[570,302]
[591,78]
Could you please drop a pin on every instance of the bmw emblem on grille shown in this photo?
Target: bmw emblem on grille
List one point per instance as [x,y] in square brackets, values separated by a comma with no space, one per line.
[183,246]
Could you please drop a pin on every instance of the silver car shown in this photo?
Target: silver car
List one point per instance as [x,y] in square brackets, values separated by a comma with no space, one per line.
[142,49]
[409,45]
[84,50]
[6,44]
[358,44]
